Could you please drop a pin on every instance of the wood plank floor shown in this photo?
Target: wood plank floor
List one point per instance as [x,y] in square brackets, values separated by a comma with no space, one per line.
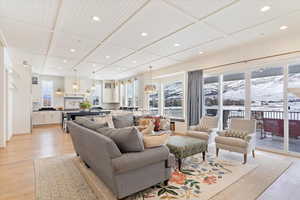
[17,173]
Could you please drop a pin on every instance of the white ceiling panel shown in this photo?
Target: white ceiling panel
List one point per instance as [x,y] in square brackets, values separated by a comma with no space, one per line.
[108,53]
[164,62]
[76,16]
[63,43]
[200,8]
[25,37]
[157,19]
[194,35]
[245,14]
[40,13]
[137,59]
[36,61]
[270,28]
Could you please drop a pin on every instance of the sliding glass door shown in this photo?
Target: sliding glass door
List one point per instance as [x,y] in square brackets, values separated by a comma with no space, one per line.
[294,108]
[233,97]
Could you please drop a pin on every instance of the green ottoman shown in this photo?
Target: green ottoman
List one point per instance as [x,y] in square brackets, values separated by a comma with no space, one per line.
[184,146]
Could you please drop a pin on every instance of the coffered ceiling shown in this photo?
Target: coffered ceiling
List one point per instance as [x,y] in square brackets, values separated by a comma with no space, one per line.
[120,38]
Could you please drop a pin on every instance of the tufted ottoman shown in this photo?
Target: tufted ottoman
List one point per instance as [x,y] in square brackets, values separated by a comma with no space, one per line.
[184,146]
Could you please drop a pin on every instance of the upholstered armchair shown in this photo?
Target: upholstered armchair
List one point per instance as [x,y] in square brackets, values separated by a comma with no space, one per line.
[205,130]
[240,137]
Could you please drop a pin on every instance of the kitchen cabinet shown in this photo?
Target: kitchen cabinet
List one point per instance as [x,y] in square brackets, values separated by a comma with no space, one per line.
[46,117]
[110,92]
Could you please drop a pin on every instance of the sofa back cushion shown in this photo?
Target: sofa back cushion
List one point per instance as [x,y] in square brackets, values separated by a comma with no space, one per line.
[122,121]
[127,139]
[88,123]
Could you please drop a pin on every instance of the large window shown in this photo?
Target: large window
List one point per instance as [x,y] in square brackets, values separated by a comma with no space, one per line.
[130,93]
[153,103]
[97,95]
[267,106]
[47,93]
[233,97]
[123,94]
[211,92]
[173,99]
[136,92]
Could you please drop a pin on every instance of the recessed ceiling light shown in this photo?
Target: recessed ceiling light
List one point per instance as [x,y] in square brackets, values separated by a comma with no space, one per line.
[96,18]
[72,50]
[283,27]
[65,61]
[94,65]
[265,8]
[176,45]
[144,34]
[200,52]
[107,57]
[134,61]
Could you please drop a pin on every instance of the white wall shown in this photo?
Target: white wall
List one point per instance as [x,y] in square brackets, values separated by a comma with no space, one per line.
[2,99]
[22,100]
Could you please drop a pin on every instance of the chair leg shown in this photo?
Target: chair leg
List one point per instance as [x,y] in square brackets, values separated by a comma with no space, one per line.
[166,182]
[253,153]
[217,152]
[245,158]
[203,155]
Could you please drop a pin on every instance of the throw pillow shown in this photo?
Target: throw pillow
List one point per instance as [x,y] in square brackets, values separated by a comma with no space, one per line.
[202,128]
[127,139]
[236,134]
[103,119]
[149,129]
[155,140]
[88,123]
[164,124]
[122,121]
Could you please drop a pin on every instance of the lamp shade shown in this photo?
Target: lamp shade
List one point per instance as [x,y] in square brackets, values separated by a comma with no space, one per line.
[149,89]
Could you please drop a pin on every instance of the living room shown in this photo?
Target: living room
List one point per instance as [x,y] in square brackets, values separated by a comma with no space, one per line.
[149,99]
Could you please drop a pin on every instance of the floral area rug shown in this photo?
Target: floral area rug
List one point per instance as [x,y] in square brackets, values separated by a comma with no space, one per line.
[197,180]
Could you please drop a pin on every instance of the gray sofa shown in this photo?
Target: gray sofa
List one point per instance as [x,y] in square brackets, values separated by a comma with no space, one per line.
[126,173]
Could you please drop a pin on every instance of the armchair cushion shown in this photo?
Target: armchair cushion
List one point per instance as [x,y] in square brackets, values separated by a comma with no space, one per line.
[231,141]
[236,134]
[202,128]
[131,161]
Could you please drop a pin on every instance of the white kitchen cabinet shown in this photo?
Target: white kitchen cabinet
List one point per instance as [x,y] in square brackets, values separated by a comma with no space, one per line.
[46,117]
[110,92]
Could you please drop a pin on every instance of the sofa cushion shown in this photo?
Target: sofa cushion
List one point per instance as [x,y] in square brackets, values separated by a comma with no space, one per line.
[88,123]
[127,139]
[231,141]
[131,161]
[122,121]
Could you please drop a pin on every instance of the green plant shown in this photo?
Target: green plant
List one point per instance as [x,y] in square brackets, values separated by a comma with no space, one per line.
[85,105]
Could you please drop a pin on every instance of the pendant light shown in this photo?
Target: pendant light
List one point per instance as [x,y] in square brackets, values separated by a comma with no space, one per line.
[150,88]
[75,83]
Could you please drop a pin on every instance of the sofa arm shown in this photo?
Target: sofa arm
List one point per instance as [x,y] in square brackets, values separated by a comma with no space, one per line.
[131,161]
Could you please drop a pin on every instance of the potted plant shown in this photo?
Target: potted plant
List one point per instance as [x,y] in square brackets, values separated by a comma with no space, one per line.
[85,105]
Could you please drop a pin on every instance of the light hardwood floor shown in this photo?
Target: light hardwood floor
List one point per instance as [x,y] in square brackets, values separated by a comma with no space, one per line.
[17,173]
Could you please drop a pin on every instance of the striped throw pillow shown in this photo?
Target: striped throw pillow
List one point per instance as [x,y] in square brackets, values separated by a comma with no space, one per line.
[236,134]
